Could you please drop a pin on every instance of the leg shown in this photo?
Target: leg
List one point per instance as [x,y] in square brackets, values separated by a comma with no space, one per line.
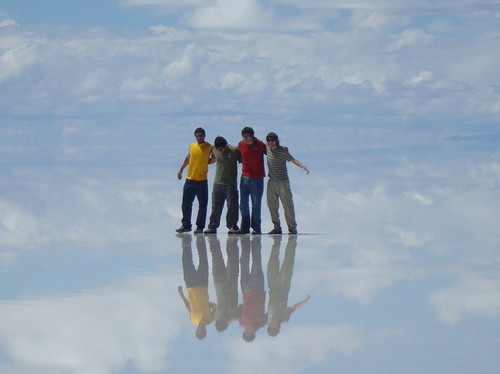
[188,195]
[232,207]
[273,203]
[218,197]
[287,200]
[244,203]
[202,195]
[256,191]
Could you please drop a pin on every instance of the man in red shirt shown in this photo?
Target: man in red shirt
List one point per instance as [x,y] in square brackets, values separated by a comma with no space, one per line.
[252,181]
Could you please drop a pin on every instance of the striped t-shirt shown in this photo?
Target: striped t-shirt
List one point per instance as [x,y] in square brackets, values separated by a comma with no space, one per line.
[276,162]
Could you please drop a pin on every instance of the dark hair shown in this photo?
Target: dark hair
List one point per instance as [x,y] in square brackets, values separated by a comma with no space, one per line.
[221,326]
[273,136]
[198,130]
[247,130]
[220,142]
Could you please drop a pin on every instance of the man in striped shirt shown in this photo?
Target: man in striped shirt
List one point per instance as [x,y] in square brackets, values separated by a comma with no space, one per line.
[278,185]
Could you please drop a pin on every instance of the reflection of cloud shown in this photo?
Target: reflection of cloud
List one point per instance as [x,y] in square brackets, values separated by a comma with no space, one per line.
[475,295]
[96,333]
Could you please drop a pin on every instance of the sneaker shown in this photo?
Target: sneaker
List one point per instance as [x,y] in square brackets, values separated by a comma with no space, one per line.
[183,229]
[198,231]
[242,231]
[233,230]
[293,232]
[210,231]
[275,232]
[256,232]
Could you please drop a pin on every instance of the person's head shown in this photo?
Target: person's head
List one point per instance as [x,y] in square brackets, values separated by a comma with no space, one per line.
[221,325]
[248,134]
[272,139]
[201,332]
[199,134]
[273,328]
[220,143]
[249,336]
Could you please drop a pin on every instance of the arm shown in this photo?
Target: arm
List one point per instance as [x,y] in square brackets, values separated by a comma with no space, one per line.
[186,301]
[301,165]
[184,164]
[300,303]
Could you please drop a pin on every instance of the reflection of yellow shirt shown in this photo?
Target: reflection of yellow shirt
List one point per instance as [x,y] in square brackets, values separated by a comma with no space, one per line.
[199,154]
[199,305]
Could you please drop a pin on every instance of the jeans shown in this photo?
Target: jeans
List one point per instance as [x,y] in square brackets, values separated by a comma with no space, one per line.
[192,189]
[221,193]
[251,188]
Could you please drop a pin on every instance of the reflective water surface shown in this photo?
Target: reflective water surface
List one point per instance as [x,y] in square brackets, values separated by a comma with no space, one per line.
[280,304]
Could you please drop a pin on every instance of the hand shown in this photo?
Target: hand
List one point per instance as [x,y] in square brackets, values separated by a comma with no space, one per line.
[179,289]
[179,175]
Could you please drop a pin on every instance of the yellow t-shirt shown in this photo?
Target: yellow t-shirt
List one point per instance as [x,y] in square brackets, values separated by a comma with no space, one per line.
[199,305]
[199,154]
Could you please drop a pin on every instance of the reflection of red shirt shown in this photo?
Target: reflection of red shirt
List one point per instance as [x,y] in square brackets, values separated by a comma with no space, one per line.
[253,309]
[252,159]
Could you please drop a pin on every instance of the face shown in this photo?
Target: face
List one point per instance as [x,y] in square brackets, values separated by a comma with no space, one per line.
[273,142]
[200,137]
[221,149]
[247,138]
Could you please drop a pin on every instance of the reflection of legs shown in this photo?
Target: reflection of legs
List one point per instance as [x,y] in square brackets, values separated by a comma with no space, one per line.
[273,203]
[245,264]
[286,271]
[218,266]
[188,195]
[273,265]
[257,274]
[218,198]
[233,257]
[195,277]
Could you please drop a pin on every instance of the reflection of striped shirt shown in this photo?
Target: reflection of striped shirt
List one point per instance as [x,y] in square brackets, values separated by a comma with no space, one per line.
[276,162]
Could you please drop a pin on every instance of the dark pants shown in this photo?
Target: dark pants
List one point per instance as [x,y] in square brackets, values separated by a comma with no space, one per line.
[252,278]
[220,194]
[251,188]
[192,189]
[195,277]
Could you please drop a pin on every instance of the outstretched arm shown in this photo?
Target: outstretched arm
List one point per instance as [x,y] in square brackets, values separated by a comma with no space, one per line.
[300,303]
[186,301]
[184,164]
[301,165]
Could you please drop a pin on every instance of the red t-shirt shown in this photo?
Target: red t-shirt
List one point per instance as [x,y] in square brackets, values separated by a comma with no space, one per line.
[252,159]
[253,309]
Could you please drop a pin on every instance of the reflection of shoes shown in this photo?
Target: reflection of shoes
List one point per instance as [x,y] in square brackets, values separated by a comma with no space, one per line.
[210,231]
[242,231]
[275,231]
[256,232]
[293,232]
[183,229]
[198,231]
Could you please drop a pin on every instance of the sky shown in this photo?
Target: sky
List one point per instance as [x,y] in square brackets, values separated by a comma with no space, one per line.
[393,105]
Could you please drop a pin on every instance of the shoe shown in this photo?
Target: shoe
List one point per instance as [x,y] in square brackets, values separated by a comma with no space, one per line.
[275,232]
[242,231]
[292,232]
[210,231]
[183,229]
[198,231]
[233,230]
[256,232]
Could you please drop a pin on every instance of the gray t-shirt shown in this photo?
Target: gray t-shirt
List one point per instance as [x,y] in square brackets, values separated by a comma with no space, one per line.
[226,167]
[276,162]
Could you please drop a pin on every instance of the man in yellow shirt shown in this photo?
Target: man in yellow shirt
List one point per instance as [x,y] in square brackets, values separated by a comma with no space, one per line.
[196,184]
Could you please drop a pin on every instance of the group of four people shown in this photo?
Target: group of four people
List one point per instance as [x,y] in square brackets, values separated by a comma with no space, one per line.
[250,153]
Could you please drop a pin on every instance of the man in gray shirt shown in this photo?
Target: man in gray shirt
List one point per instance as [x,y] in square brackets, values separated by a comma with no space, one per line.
[278,185]
[225,185]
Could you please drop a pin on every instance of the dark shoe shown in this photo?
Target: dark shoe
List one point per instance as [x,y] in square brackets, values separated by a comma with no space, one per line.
[256,232]
[233,230]
[183,229]
[242,231]
[198,231]
[210,231]
[293,232]
[275,232]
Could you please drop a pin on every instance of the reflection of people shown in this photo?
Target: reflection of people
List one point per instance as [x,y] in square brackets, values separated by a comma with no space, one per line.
[252,181]
[225,185]
[196,184]
[201,310]
[278,185]
[252,286]
[225,281]
[279,281]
